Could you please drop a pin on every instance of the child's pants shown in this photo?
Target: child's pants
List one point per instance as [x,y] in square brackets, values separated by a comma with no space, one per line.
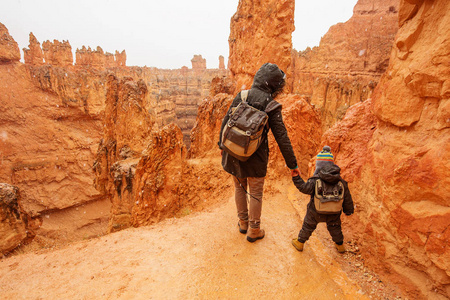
[311,220]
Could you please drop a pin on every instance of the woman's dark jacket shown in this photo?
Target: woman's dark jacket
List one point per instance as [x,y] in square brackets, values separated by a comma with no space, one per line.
[268,80]
[330,174]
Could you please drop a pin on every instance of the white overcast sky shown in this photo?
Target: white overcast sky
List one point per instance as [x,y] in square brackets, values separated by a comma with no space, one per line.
[155,33]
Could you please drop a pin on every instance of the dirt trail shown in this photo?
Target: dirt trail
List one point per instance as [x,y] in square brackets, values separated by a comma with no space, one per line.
[200,256]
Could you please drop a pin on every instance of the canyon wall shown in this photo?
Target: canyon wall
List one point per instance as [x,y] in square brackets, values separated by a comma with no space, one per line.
[16,226]
[9,49]
[394,150]
[260,32]
[51,124]
[390,89]
[175,95]
[349,61]
[342,71]
[143,169]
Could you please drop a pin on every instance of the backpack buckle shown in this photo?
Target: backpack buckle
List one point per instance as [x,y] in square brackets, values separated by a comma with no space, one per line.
[248,133]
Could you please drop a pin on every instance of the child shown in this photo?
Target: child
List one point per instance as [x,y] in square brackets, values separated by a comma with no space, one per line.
[328,173]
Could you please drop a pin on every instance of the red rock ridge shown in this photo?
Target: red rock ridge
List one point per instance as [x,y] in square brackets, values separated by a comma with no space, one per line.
[349,61]
[60,54]
[143,169]
[260,32]
[16,226]
[52,123]
[9,49]
[99,59]
[399,172]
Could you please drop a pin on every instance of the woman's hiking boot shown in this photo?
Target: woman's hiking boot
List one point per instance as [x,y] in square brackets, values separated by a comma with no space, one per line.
[340,248]
[298,245]
[255,234]
[243,226]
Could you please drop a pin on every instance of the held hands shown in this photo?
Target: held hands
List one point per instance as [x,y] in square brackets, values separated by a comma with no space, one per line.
[295,172]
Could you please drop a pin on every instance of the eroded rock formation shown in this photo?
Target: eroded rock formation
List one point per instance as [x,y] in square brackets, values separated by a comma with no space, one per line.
[395,152]
[175,95]
[51,124]
[143,169]
[33,55]
[349,61]
[221,62]
[9,50]
[99,59]
[198,64]
[260,32]
[16,226]
[57,53]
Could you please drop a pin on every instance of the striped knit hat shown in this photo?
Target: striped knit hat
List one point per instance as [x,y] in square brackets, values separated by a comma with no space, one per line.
[325,157]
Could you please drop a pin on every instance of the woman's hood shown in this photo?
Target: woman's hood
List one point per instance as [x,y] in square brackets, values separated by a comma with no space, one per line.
[269,78]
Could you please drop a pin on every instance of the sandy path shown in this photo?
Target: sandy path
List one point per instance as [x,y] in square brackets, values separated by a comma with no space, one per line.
[201,256]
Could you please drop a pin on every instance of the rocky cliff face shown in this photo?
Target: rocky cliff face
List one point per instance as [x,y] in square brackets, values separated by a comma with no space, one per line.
[260,32]
[349,61]
[143,169]
[399,166]
[392,143]
[47,145]
[175,95]
[16,226]
[52,123]
[9,50]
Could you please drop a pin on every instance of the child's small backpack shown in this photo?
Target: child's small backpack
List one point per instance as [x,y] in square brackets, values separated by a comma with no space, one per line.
[243,133]
[328,197]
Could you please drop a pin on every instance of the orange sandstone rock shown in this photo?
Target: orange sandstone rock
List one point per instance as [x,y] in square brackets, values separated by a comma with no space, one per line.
[260,33]
[198,63]
[399,172]
[99,59]
[144,170]
[205,134]
[303,125]
[121,58]
[345,68]
[221,62]
[33,55]
[9,50]
[57,53]
[16,225]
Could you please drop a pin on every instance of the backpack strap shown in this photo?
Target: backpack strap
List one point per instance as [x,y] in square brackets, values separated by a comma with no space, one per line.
[244,95]
[272,106]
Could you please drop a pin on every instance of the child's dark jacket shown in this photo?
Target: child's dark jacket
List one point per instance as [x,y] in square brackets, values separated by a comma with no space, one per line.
[329,174]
